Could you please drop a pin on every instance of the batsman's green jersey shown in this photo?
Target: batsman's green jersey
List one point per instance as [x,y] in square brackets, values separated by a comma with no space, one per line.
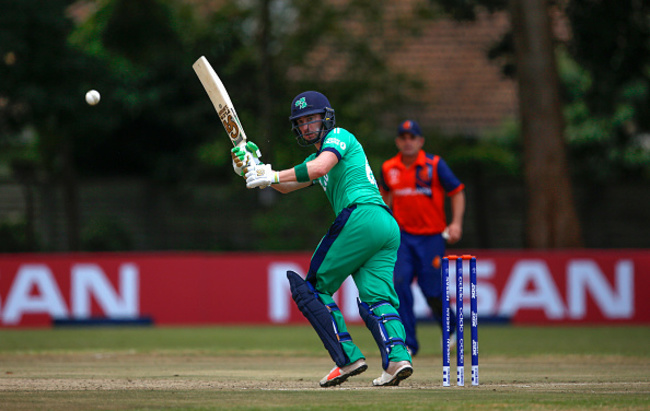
[351,181]
[362,241]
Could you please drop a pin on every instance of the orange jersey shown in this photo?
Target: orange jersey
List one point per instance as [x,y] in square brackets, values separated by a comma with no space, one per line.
[419,192]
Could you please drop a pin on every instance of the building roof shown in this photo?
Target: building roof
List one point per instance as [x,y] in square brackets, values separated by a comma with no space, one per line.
[464,91]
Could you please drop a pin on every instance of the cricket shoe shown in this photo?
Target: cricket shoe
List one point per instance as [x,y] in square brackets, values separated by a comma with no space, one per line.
[338,375]
[396,372]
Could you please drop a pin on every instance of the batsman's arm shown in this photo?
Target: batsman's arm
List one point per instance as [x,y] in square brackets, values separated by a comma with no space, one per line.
[290,179]
[315,168]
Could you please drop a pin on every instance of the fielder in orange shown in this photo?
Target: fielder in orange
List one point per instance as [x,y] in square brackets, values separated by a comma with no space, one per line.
[414,184]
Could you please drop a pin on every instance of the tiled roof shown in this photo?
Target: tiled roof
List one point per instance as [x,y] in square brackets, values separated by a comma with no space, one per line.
[464,92]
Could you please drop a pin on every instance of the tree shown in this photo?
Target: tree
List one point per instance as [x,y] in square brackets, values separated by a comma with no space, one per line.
[551,220]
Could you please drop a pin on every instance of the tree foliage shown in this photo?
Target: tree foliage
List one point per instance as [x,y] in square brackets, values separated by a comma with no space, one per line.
[608,83]
[158,114]
[605,78]
[154,120]
[42,81]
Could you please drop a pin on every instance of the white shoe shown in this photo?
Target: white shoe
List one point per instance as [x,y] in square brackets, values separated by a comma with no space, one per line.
[396,372]
[338,375]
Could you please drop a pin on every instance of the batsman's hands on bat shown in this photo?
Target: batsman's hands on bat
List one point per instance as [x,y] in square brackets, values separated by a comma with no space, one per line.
[245,156]
[261,175]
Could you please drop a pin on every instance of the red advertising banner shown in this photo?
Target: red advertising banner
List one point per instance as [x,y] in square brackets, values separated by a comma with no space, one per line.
[521,287]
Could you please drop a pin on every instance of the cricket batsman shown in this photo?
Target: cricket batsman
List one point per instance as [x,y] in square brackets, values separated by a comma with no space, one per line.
[362,242]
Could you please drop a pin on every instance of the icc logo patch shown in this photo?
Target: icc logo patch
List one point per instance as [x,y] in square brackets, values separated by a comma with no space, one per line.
[393,176]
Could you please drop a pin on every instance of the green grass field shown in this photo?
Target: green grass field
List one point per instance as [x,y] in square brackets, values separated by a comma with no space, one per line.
[278,367]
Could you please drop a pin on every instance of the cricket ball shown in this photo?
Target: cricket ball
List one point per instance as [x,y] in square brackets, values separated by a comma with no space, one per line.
[92,97]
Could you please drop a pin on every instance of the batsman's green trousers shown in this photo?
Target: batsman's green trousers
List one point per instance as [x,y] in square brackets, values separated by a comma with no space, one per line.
[362,242]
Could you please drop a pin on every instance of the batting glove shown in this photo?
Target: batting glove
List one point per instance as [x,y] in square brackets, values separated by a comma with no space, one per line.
[261,175]
[243,156]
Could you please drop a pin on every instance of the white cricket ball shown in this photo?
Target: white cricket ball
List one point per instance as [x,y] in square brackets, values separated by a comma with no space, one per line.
[92,97]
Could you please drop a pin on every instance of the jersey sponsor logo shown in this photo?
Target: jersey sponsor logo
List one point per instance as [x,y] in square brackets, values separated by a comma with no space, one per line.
[336,142]
[411,191]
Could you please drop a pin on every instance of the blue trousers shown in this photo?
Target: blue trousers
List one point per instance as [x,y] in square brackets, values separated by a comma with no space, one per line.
[419,258]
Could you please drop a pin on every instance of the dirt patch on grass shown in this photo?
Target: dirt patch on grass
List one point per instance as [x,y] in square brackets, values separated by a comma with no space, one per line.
[169,380]
[168,372]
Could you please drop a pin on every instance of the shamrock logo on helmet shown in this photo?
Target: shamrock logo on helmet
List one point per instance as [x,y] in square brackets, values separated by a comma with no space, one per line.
[302,103]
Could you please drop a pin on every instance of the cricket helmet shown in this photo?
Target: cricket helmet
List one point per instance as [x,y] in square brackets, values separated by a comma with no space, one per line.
[309,103]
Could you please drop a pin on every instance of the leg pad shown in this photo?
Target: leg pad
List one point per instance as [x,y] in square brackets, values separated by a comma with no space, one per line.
[320,317]
[376,325]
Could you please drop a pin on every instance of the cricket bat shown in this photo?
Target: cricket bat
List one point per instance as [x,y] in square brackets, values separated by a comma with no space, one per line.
[220,100]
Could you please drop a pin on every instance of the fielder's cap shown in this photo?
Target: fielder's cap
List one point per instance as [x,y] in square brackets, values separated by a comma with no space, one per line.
[409,126]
